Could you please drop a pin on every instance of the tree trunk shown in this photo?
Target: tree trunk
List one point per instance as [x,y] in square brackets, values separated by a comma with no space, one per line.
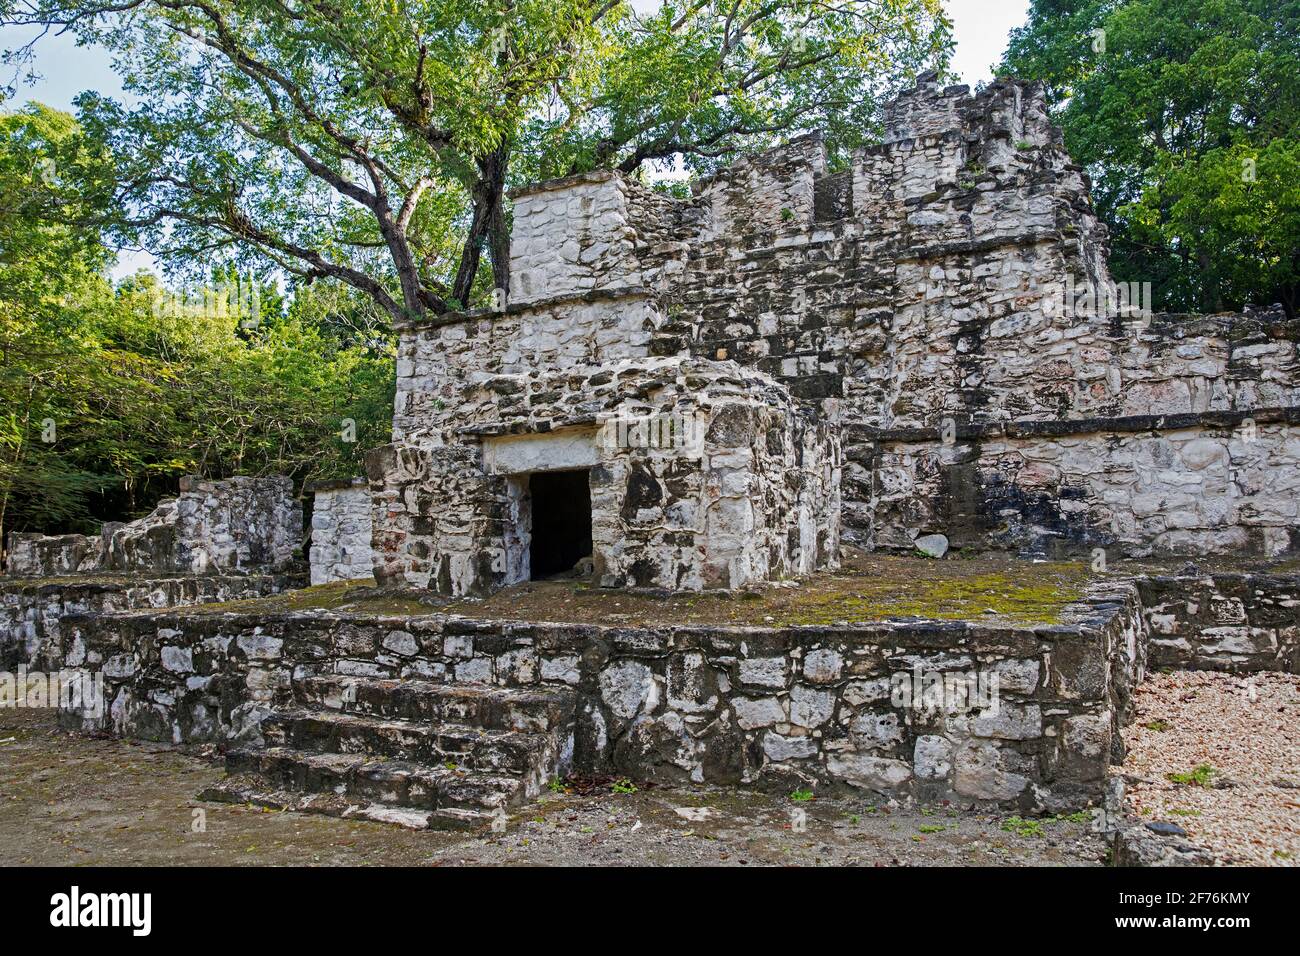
[488,224]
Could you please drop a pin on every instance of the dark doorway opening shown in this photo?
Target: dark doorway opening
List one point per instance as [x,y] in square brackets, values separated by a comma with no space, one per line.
[561,506]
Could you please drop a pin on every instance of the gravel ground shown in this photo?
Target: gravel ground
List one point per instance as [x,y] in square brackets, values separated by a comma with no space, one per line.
[1243,805]
[77,800]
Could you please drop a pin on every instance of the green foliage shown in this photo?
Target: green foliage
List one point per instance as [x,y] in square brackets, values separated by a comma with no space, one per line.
[1187,115]
[373,142]
[108,396]
[801,796]
[1201,776]
[1022,827]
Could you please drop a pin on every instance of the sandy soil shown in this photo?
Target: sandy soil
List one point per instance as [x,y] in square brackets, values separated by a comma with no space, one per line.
[75,800]
[1243,733]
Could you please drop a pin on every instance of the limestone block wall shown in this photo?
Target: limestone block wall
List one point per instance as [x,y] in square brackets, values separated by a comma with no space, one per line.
[953,275]
[702,475]
[341,529]
[438,519]
[571,236]
[240,524]
[31,611]
[772,707]
[460,369]
[1214,483]
[1224,621]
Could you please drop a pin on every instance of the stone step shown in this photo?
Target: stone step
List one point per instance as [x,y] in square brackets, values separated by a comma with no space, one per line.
[476,705]
[253,790]
[467,748]
[362,781]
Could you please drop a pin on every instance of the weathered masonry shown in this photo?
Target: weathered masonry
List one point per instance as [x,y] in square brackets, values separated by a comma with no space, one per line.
[341,530]
[712,394]
[236,525]
[431,720]
[216,541]
[934,326]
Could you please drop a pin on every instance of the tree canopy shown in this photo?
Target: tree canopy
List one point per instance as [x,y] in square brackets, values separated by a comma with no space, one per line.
[108,396]
[373,142]
[1187,115]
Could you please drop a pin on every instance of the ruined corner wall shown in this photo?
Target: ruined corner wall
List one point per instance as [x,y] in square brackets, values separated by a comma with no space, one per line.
[341,531]
[237,525]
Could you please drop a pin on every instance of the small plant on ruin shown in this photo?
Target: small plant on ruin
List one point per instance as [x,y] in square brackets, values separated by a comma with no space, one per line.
[1079,816]
[801,796]
[1199,777]
[1024,144]
[623,786]
[1157,725]
[557,786]
[1022,827]
[932,828]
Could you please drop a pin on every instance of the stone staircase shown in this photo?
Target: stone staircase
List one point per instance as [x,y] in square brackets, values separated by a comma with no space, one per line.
[415,753]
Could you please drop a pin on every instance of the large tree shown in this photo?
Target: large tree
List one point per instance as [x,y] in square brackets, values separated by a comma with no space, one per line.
[1187,115]
[108,395]
[372,141]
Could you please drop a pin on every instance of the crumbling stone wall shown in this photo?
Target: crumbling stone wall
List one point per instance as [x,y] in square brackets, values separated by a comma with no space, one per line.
[775,707]
[952,279]
[31,610]
[1189,484]
[341,531]
[702,475]
[239,525]
[1224,621]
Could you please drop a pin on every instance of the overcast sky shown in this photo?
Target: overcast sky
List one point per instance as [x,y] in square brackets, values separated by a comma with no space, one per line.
[980,28]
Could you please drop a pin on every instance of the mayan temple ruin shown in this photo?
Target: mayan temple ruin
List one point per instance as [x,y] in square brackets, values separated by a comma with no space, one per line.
[724,396]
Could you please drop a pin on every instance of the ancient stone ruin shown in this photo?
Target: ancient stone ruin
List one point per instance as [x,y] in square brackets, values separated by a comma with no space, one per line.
[926,342]
[341,530]
[216,541]
[920,351]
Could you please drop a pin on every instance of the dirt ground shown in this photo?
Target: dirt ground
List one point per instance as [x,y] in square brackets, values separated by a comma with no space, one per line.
[1219,756]
[75,800]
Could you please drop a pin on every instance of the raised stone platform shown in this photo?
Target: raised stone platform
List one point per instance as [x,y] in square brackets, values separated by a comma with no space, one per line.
[981,682]
[31,608]
[774,705]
